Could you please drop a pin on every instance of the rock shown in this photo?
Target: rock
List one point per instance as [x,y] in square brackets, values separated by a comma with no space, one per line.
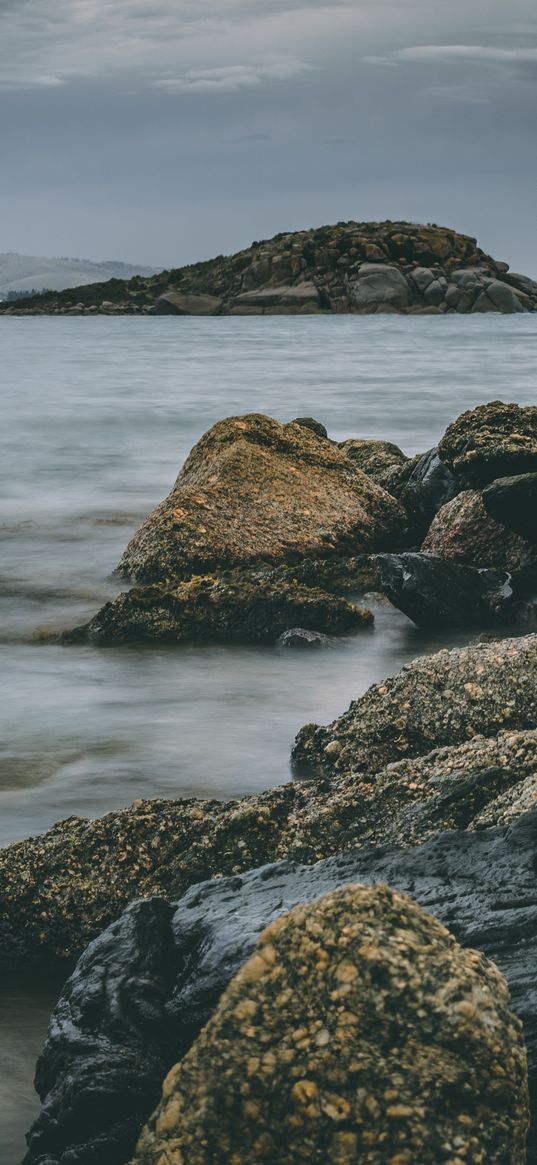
[490,441]
[521,283]
[299,637]
[464,532]
[250,1089]
[482,885]
[496,296]
[433,701]
[379,285]
[423,487]
[311,423]
[301,295]
[177,303]
[435,592]
[513,502]
[226,610]
[253,490]
[378,459]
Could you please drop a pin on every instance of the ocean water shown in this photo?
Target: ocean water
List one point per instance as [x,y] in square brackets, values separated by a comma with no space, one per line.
[97,417]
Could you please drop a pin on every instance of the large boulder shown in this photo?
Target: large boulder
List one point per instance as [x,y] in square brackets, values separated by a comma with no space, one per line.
[148,985]
[253,490]
[463,531]
[358,1021]
[423,486]
[492,440]
[225,610]
[379,459]
[513,502]
[434,700]
[177,303]
[435,592]
[378,286]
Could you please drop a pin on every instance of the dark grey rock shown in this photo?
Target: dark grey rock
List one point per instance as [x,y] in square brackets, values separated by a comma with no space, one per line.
[435,592]
[300,637]
[513,502]
[428,487]
[378,285]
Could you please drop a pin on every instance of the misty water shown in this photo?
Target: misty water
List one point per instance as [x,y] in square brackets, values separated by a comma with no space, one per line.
[98,415]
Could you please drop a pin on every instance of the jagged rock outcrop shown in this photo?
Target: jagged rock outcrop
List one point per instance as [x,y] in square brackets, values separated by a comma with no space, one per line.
[435,592]
[226,610]
[147,986]
[348,267]
[464,532]
[379,459]
[255,491]
[434,700]
[358,1021]
[423,485]
[513,502]
[490,441]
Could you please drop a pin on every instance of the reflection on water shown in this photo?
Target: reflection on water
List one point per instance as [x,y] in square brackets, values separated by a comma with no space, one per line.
[98,415]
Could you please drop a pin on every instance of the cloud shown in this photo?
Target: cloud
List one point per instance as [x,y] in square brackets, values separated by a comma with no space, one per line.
[231,78]
[467,52]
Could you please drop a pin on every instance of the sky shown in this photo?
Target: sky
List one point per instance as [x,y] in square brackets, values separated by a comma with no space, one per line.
[166,131]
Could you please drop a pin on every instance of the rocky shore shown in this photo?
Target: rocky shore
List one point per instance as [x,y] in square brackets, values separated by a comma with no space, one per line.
[361,267]
[342,1020]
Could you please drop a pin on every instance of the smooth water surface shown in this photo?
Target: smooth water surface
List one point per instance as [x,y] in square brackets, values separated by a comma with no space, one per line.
[97,417]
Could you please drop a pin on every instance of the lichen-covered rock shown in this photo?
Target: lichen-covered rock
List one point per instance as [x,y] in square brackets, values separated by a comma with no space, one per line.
[229,609]
[490,441]
[147,986]
[463,531]
[513,502]
[435,592]
[434,700]
[358,1031]
[254,491]
[379,459]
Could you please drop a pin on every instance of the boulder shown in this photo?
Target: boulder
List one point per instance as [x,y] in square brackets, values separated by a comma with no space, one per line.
[358,1021]
[379,285]
[482,885]
[177,303]
[435,700]
[435,592]
[490,441]
[464,532]
[218,610]
[253,490]
[302,295]
[423,486]
[299,637]
[497,296]
[378,459]
[513,502]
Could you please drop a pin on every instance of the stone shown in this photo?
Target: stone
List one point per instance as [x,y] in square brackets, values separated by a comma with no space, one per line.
[231,609]
[300,637]
[378,459]
[435,592]
[300,1062]
[255,491]
[177,303]
[378,284]
[513,502]
[299,295]
[481,885]
[521,283]
[311,423]
[441,699]
[423,487]
[497,296]
[464,532]
[490,441]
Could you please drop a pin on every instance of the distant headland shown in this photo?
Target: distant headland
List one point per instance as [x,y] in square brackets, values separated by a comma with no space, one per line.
[362,268]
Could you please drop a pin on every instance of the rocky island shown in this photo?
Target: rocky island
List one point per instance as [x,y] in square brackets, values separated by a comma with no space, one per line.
[360,267]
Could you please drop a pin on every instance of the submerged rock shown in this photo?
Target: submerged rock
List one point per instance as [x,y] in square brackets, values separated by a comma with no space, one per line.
[463,531]
[358,1021]
[435,592]
[482,885]
[254,491]
[493,440]
[299,637]
[513,502]
[225,610]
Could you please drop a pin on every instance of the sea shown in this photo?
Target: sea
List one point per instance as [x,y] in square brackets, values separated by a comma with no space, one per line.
[97,417]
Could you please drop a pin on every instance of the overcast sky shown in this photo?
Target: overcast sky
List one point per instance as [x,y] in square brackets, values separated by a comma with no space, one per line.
[163,131]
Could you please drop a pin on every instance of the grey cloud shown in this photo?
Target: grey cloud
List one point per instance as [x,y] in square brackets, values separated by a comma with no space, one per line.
[231,78]
[467,52]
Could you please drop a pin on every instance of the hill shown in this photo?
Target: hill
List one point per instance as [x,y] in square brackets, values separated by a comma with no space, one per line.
[26,273]
[365,268]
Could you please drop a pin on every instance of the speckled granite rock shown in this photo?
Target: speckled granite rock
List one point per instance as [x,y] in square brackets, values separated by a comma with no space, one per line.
[493,440]
[359,1029]
[435,592]
[482,885]
[438,699]
[513,501]
[464,532]
[379,459]
[221,610]
[254,491]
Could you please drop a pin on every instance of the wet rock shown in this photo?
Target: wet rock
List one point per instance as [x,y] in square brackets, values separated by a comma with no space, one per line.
[435,592]
[299,637]
[378,459]
[481,885]
[226,610]
[493,440]
[513,502]
[254,491]
[423,489]
[330,973]
[434,700]
[464,532]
